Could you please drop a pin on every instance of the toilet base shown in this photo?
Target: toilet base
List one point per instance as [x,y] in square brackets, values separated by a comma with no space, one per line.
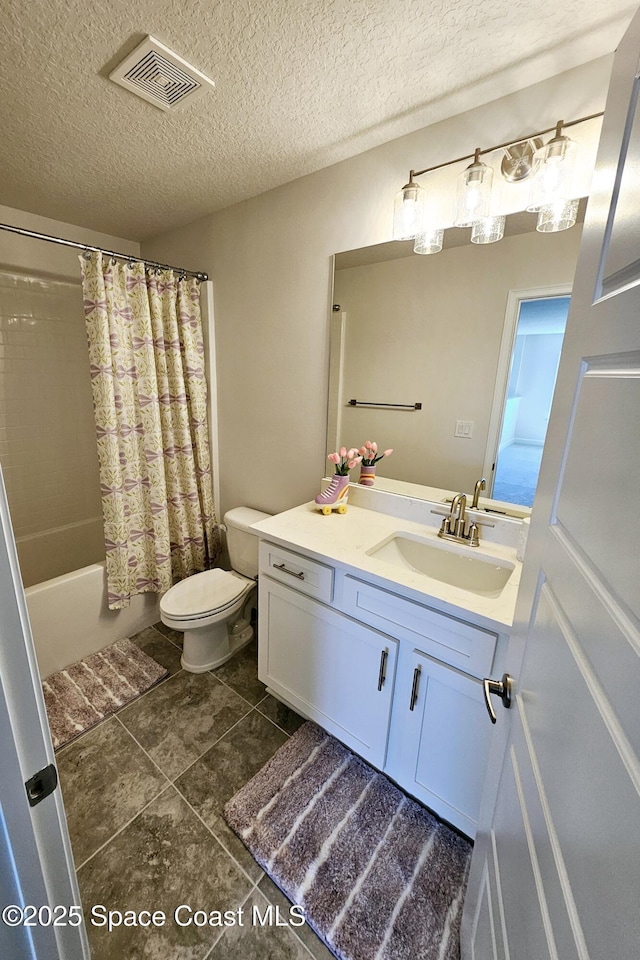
[208,647]
[205,648]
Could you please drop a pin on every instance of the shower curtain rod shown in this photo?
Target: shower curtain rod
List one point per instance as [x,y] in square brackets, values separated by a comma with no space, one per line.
[112,253]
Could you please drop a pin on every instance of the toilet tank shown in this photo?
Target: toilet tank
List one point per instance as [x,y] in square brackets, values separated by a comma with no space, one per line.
[242,543]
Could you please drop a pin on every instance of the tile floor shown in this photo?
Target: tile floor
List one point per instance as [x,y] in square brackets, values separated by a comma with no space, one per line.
[517,473]
[144,792]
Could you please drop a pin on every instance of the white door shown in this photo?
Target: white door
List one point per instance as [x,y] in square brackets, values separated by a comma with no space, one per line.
[556,867]
[36,864]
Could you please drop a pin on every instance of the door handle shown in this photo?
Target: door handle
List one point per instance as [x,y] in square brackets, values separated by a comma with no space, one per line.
[501,688]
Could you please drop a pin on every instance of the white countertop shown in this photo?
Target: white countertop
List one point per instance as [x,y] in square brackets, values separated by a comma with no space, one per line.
[345,540]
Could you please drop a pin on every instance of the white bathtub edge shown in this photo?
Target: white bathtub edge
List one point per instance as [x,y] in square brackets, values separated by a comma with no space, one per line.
[70,619]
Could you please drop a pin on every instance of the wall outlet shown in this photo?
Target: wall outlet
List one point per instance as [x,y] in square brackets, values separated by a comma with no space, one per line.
[464,428]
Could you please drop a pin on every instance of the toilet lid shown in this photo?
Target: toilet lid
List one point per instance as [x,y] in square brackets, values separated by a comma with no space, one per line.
[202,593]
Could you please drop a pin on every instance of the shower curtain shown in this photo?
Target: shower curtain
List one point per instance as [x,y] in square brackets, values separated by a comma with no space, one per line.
[146,357]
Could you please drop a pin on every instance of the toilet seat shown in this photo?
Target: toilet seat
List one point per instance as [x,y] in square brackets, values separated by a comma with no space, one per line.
[202,594]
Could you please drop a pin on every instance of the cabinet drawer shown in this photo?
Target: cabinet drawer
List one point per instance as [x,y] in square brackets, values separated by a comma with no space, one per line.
[305,575]
[452,641]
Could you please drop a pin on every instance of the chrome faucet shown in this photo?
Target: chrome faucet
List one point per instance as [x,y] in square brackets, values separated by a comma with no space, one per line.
[454,527]
[480,485]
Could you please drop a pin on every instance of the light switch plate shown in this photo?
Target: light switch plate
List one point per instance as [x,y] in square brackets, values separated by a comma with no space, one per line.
[464,428]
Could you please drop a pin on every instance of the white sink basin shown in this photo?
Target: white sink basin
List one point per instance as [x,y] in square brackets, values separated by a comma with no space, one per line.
[462,567]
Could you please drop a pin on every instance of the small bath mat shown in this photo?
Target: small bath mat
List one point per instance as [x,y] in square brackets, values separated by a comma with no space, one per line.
[88,691]
[379,877]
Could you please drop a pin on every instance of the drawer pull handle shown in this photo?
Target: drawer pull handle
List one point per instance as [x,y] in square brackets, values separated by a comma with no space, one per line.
[292,573]
[414,687]
[382,676]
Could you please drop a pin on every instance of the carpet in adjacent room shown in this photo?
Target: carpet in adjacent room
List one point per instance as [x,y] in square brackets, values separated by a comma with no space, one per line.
[85,693]
[379,877]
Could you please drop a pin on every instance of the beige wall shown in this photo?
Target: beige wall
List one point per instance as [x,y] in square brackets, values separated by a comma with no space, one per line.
[270,261]
[428,329]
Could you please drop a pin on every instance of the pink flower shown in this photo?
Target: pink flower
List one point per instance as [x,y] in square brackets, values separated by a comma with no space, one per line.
[370,455]
[334,458]
[343,451]
[354,462]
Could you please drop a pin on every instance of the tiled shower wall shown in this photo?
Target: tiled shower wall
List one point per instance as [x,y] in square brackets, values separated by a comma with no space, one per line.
[47,431]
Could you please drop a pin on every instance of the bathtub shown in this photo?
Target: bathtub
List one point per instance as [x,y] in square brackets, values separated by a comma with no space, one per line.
[59,550]
[70,618]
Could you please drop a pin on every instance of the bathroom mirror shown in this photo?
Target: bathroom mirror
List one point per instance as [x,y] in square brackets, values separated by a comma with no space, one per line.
[424,346]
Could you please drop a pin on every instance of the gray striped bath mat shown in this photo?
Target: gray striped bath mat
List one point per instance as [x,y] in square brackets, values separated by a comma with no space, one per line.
[88,691]
[379,877]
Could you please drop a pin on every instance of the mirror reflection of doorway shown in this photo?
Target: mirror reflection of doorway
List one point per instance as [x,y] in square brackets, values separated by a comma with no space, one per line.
[532,378]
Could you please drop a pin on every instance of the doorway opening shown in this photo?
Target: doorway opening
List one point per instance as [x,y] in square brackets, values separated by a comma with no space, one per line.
[533,367]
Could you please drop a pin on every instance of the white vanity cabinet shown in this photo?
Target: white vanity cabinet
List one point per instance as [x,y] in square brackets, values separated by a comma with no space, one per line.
[328,667]
[394,679]
[440,732]
[440,737]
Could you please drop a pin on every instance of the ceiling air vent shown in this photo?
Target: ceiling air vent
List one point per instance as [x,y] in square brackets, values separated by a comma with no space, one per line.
[160,76]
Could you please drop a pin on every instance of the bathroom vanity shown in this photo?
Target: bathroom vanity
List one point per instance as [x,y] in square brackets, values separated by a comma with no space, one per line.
[382,634]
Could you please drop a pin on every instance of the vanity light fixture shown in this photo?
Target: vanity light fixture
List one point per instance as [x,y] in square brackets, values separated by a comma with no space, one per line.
[517,163]
[430,241]
[488,230]
[474,192]
[556,216]
[551,187]
[408,212]
[551,167]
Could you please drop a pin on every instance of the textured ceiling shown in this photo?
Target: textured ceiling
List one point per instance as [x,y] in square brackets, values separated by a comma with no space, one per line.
[300,84]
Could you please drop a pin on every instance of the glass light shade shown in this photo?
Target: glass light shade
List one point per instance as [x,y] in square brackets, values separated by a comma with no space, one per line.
[429,242]
[474,194]
[488,230]
[408,212]
[557,216]
[553,177]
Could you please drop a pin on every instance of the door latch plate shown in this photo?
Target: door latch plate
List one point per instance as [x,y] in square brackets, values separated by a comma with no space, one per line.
[41,784]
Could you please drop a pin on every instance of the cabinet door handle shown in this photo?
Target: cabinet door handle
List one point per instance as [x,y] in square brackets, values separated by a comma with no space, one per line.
[382,676]
[414,687]
[292,573]
[501,688]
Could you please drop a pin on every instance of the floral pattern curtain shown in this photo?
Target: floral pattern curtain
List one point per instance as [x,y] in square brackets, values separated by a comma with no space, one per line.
[146,358]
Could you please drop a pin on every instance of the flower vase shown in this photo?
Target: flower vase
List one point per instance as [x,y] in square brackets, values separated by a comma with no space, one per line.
[367,474]
[335,496]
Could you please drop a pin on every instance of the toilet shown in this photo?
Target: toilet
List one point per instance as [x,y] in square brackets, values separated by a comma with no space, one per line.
[209,608]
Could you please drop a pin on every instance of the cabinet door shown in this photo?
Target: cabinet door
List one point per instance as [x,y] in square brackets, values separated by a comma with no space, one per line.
[333,670]
[440,741]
